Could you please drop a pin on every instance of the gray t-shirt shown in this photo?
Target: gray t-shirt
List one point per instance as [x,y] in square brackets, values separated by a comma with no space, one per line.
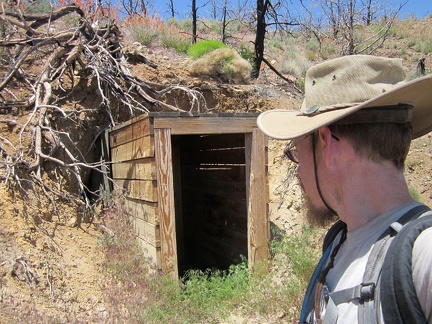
[350,263]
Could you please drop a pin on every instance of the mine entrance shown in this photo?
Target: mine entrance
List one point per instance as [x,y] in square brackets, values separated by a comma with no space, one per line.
[210,200]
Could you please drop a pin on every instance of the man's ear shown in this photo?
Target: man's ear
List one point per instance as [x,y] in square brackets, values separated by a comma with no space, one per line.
[326,141]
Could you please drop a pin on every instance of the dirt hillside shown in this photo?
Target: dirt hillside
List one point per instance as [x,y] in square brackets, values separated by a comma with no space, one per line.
[51,265]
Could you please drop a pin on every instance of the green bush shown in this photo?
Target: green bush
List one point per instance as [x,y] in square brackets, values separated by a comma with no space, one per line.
[183,25]
[38,7]
[224,64]
[201,48]
[172,40]
[144,35]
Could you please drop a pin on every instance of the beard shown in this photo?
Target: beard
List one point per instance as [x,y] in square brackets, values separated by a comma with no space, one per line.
[316,216]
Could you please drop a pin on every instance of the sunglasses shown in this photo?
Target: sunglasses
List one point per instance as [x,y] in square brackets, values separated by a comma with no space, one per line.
[291,152]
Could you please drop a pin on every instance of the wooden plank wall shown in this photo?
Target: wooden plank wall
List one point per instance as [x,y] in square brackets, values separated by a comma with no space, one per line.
[135,173]
[214,200]
[195,187]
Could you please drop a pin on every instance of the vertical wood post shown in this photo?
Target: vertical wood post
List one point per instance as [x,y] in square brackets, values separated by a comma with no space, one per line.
[166,206]
[257,197]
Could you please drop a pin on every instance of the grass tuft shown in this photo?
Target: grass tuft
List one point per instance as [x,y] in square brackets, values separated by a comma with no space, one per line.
[137,293]
[201,48]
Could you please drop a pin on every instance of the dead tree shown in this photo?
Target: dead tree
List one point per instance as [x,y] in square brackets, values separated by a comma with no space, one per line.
[421,66]
[46,64]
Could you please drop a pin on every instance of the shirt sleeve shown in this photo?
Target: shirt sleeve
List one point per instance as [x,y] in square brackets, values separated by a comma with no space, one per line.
[422,271]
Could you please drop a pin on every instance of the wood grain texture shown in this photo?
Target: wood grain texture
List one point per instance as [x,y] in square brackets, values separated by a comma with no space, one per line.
[259,226]
[165,188]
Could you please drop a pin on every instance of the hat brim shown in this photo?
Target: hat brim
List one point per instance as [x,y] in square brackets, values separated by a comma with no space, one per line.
[289,124]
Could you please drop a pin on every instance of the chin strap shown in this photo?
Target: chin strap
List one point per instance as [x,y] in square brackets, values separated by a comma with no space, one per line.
[316,177]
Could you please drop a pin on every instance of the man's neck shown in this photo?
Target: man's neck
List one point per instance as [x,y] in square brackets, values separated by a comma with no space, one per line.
[370,190]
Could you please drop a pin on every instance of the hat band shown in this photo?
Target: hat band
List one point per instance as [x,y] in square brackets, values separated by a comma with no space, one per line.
[398,114]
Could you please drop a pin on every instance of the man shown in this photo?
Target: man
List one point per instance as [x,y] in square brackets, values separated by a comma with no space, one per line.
[350,140]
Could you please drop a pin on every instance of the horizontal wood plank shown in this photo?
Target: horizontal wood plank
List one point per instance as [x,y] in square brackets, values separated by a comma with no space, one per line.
[148,232]
[215,186]
[143,169]
[228,156]
[131,130]
[138,189]
[137,149]
[212,141]
[151,252]
[216,172]
[147,211]
[206,125]
[234,203]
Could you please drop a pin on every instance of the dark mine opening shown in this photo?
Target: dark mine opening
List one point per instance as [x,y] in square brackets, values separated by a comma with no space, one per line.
[210,192]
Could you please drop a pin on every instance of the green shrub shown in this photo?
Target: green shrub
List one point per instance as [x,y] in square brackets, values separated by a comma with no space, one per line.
[184,25]
[201,48]
[223,63]
[247,53]
[38,7]
[209,25]
[174,40]
[143,34]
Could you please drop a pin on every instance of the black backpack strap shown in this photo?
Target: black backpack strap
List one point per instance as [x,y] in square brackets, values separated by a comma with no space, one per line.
[398,296]
[369,303]
[333,233]
[368,292]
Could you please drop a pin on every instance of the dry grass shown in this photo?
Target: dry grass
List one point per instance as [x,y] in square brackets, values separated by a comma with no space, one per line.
[224,64]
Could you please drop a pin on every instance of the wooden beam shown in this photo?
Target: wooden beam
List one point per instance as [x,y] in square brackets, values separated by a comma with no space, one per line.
[206,125]
[144,210]
[258,222]
[165,189]
[131,130]
[147,232]
[142,147]
[138,189]
[150,251]
[142,169]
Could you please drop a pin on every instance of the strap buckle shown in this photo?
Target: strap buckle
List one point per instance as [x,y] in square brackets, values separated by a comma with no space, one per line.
[367,290]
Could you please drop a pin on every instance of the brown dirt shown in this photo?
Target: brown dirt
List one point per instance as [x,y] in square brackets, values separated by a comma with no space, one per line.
[66,260]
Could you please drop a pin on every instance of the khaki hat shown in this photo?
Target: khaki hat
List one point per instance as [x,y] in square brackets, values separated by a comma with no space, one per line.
[372,86]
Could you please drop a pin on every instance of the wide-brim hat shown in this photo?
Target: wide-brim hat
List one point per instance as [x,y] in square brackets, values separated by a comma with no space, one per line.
[372,86]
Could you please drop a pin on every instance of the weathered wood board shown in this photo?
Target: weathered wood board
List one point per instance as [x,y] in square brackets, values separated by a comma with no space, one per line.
[195,187]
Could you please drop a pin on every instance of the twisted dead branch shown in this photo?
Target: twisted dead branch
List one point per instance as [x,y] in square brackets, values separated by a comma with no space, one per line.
[51,60]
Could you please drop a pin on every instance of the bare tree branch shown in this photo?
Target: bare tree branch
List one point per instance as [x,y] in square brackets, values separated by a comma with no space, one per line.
[47,60]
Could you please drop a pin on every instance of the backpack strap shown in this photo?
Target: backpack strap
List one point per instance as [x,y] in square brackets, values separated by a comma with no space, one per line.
[398,297]
[366,292]
[308,301]
[332,233]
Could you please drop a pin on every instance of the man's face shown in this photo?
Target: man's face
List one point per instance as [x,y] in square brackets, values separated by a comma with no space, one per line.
[316,212]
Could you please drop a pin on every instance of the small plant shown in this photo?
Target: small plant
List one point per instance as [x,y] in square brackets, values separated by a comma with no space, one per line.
[38,7]
[171,38]
[247,53]
[223,63]
[137,293]
[414,194]
[145,29]
[201,48]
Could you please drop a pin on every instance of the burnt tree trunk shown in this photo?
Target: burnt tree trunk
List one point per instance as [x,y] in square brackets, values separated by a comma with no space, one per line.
[262,6]
[194,22]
